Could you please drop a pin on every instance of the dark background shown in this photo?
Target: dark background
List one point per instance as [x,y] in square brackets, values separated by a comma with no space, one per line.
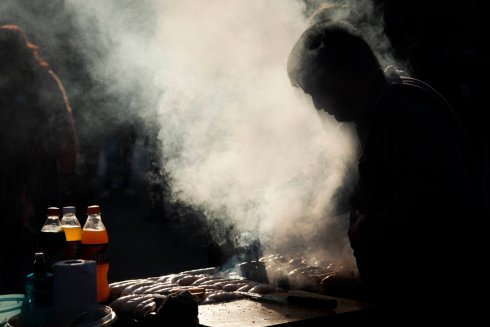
[442,43]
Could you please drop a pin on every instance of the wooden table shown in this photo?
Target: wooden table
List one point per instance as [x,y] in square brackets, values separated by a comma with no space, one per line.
[247,312]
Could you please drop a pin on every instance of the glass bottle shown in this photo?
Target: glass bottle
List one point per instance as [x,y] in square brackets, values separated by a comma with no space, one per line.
[95,241]
[52,238]
[37,308]
[73,233]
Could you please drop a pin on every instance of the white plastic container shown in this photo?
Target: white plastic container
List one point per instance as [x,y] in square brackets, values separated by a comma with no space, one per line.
[10,305]
[100,316]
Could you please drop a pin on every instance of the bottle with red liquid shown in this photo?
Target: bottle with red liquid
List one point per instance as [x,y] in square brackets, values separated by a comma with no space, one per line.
[95,241]
[52,238]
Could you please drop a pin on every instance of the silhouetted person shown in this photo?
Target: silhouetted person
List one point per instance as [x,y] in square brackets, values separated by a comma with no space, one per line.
[416,209]
[37,144]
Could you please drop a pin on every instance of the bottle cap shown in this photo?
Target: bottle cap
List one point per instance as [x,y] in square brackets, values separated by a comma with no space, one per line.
[53,211]
[40,265]
[39,256]
[69,209]
[93,210]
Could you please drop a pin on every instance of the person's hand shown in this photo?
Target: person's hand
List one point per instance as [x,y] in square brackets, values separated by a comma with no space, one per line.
[357,219]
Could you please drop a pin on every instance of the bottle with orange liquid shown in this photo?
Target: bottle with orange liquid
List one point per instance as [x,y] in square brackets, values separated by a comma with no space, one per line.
[73,233]
[95,241]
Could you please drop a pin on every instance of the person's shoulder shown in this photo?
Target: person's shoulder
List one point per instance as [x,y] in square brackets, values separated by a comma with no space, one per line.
[51,86]
[394,74]
[412,95]
[411,89]
[408,102]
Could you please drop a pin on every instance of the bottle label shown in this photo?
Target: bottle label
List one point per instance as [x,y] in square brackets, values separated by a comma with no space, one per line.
[42,291]
[72,250]
[52,245]
[96,252]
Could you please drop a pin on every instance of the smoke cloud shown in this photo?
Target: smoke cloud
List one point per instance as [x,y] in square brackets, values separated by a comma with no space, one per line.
[251,148]
[238,141]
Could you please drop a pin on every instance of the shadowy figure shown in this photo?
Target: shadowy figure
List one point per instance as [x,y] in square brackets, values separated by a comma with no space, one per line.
[416,210]
[38,145]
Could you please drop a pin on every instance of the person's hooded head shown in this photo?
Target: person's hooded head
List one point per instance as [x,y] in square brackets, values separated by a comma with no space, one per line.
[18,57]
[336,67]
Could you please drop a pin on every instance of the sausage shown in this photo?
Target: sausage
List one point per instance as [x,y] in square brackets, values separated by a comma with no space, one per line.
[211,281]
[157,288]
[144,288]
[130,289]
[222,297]
[116,288]
[127,305]
[125,282]
[187,280]
[247,287]
[201,280]
[166,278]
[117,304]
[201,271]
[198,292]
[143,307]
[137,309]
[232,287]
[222,283]
[264,289]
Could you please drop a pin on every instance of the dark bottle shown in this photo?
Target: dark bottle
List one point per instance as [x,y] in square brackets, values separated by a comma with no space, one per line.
[52,238]
[37,309]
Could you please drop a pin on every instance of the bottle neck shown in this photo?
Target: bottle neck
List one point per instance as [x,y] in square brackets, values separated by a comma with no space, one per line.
[70,219]
[52,224]
[94,222]
[40,267]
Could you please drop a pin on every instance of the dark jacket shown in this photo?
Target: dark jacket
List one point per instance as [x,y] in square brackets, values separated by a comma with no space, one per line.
[417,193]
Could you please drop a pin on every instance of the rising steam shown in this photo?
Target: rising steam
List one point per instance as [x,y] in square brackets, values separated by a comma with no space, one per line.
[251,148]
[238,140]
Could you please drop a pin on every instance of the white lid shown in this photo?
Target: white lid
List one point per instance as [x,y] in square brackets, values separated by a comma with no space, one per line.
[69,209]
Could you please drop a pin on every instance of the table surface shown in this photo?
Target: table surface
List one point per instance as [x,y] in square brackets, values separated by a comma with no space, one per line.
[247,312]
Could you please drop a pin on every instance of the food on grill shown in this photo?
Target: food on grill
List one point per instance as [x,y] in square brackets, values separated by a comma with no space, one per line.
[134,297]
[201,280]
[246,287]
[297,273]
[264,289]
[135,305]
[231,287]
[187,280]
[222,296]
[116,288]
[142,298]
[143,308]
[136,286]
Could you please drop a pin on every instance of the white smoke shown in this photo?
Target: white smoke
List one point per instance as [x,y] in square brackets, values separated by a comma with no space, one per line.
[238,140]
[250,147]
